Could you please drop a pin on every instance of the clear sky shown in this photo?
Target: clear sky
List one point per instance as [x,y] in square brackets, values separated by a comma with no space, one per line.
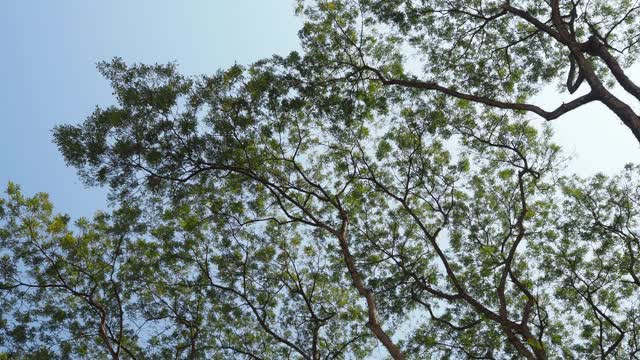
[592,134]
[48,77]
[48,52]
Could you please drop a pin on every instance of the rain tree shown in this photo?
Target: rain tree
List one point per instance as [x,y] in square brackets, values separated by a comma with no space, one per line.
[334,204]
[331,224]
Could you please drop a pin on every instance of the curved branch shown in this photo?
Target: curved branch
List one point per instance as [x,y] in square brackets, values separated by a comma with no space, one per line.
[429,85]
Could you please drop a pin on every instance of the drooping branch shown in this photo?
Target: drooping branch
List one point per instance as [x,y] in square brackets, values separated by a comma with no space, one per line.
[574,83]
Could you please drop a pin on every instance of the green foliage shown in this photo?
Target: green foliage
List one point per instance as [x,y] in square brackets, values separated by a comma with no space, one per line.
[313,206]
[458,223]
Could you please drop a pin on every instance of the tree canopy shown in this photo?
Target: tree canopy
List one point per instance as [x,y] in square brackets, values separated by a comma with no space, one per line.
[492,53]
[384,193]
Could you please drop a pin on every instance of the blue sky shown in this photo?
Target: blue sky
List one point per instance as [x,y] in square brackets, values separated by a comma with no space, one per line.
[48,54]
